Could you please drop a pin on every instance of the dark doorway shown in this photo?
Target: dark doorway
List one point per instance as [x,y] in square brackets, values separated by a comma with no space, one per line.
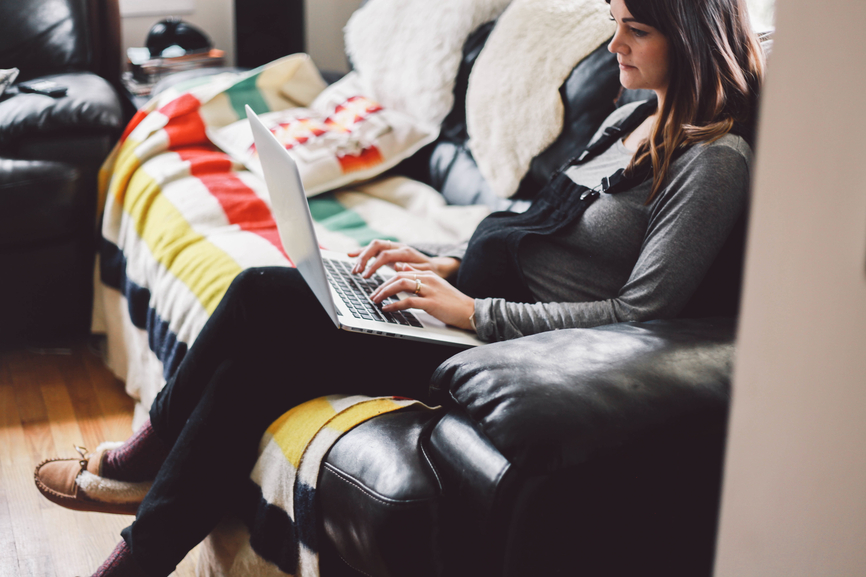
[267,30]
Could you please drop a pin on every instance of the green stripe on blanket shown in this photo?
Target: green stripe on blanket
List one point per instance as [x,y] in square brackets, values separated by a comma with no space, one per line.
[247,92]
[330,213]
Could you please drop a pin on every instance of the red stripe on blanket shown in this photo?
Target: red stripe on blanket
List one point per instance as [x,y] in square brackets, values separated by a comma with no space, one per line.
[239,202]
[180,106]
[185,126]
[206,159]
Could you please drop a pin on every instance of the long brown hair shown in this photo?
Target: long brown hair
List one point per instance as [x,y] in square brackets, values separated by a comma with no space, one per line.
[716,69]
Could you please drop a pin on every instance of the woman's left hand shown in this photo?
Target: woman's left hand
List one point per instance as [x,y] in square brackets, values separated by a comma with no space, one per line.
[431,293]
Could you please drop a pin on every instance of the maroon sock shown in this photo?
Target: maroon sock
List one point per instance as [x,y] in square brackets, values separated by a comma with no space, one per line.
[138,459]
[120,564]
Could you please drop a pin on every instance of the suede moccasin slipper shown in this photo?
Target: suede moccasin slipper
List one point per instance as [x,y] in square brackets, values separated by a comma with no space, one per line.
[77,484]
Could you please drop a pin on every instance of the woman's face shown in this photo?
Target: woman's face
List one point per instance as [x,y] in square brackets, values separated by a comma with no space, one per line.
[641,50]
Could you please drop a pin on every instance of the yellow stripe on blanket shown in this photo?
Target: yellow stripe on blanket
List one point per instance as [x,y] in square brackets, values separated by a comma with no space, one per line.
[285,522]
[124,166]
[363,411]
[190,257]
[294,430]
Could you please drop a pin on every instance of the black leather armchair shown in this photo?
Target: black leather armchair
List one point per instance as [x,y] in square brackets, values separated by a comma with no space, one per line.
[574,452]
[50,153]
[591,452]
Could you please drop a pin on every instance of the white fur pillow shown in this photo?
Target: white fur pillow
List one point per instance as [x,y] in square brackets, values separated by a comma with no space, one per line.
[514,110]
[408,52]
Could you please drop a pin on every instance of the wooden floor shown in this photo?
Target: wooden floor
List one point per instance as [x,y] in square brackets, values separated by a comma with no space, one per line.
[51,400]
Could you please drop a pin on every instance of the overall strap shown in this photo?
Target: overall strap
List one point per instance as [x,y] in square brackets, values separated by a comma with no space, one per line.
[613,133]
[491,267]
[617,181]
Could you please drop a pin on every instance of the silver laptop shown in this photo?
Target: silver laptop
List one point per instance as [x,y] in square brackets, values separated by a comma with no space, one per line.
[343,295]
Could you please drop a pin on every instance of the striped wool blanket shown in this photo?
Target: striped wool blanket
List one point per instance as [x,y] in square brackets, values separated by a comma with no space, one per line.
[182,217]
[275,533]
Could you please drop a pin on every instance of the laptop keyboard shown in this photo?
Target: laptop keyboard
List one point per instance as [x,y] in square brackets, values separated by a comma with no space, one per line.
[354,291]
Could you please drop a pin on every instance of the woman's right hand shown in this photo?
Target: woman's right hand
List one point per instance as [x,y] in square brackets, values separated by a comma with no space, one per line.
[400,256]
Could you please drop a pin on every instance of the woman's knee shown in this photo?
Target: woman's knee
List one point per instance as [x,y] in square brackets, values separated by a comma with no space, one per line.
[263,288]
[263,302]
[249,283]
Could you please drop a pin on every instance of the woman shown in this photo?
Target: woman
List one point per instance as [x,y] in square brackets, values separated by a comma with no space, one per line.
[579,257]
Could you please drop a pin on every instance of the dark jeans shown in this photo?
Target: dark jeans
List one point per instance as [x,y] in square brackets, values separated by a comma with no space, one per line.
[268,347]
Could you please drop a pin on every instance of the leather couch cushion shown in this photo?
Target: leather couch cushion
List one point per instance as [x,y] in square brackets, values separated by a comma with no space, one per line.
[380,497]
[470,466]
[46,293]
[44,36]
[556,399]
[91,104]
[84,149]
[41,201]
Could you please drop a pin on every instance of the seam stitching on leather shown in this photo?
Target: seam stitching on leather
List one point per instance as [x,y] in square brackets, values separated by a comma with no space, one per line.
[385,500]
[432,466]
[353,566]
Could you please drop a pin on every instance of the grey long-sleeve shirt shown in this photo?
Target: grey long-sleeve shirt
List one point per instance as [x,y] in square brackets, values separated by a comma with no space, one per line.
[624,260]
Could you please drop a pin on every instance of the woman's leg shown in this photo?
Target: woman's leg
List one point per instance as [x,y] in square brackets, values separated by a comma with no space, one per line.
[268,347]
[137,459]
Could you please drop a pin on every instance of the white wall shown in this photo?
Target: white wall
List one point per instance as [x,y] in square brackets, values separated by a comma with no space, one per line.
[794,500]
[215,17]
[324,30]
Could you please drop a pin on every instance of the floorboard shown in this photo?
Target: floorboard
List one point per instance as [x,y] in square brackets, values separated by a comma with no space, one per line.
[49,402]
[8,550]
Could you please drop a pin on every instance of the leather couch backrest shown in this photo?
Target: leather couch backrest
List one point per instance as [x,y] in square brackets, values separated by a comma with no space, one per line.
[41,37]
[447,165]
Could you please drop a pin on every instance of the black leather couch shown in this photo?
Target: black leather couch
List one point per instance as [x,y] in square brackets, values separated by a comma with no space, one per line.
[50,153]
[575,452]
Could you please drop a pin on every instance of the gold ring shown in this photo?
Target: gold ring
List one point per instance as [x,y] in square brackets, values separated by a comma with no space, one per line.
[417,286]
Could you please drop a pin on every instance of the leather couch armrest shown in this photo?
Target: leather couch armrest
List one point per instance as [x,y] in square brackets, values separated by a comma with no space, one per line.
[41,202]
[91,105]
[556,400]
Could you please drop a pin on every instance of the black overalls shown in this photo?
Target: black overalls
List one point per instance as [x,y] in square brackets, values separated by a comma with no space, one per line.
[490,267]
